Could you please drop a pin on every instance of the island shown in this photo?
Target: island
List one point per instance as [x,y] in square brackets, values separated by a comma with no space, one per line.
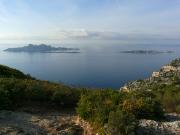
[145,52]
[43,48]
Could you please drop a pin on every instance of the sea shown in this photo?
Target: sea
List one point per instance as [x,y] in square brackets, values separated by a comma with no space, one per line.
[96,66]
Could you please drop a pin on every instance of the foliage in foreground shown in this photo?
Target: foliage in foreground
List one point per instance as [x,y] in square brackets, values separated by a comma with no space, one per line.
[121,123]
[169,96]
[118,110]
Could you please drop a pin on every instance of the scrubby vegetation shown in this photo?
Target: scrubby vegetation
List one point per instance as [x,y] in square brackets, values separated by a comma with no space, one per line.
[121,123]
[169,96]
[18,89]
[119,110]
[117,113]
[17,92]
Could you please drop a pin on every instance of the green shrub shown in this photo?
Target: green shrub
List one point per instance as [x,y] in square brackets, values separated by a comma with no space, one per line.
[178,108]
[95,106]
[37,92]
[143,105]
[5,102]
[84,108]
[121,123]
[66,97]
[169,97]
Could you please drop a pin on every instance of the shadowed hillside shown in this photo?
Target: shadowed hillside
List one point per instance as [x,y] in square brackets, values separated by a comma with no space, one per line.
[6,72]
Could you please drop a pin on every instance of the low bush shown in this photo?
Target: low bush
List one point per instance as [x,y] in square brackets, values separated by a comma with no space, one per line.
[121,123]
[178,109]
[5,101]
[66,97]
[169,97]
[143,105]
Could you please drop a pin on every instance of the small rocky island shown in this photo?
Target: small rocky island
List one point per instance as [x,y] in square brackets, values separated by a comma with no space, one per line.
[43,48]
[145,52]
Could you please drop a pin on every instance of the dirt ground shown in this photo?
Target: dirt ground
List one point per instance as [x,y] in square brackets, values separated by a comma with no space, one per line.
[38,121]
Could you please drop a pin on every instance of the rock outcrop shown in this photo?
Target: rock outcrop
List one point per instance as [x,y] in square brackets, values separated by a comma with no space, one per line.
[167,75]
[150,127]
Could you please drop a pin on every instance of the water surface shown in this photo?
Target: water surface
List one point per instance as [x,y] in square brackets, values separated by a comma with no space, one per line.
[96,66]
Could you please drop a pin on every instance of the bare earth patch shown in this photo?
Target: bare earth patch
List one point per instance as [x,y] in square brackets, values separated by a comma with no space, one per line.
[47,123]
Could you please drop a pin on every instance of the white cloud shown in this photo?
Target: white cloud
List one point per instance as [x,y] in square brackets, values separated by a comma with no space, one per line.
[76,33]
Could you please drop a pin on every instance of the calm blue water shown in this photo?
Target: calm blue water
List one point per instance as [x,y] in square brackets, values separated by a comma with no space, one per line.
[96,65]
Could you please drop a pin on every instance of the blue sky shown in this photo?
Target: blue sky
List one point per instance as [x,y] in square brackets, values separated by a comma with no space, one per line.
[75,20]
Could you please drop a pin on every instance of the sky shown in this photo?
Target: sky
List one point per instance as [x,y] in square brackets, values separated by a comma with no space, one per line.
[89,20]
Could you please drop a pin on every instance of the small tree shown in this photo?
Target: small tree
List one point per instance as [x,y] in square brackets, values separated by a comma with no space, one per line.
[84,108]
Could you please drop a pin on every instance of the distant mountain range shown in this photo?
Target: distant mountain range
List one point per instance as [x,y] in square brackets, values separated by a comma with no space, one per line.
[41,48]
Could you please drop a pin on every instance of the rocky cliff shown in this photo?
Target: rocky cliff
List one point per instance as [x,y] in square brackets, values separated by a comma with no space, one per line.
[167,75]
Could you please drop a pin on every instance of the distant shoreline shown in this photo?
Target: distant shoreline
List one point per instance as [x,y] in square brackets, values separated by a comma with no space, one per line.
[145,52]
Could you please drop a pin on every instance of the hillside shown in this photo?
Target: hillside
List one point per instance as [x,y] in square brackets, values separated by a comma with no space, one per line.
[42,107]
[30,106]
[6,72]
